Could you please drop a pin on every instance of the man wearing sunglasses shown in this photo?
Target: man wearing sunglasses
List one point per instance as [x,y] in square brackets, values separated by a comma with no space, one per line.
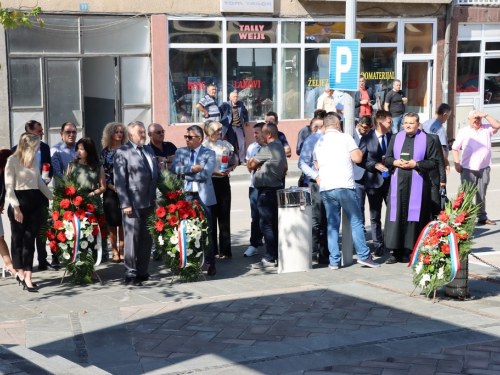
[64,152]
[196,164]
[164,151]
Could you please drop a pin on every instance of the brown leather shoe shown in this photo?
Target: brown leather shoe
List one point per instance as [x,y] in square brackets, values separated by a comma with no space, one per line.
[211,271]
[487,222]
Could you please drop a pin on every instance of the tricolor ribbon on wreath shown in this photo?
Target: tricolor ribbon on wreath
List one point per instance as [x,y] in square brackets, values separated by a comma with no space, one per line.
[452,241]
[77,238]
[181,232]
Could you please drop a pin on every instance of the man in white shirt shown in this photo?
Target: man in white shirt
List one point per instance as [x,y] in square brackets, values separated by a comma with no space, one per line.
[326,101]
[255,232]
[334,155]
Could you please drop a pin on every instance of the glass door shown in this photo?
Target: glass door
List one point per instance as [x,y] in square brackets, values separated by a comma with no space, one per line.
[417,84]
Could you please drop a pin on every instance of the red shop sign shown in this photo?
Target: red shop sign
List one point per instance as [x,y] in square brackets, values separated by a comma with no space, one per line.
[196,85]
[412,84]
[247,84]
[252,32]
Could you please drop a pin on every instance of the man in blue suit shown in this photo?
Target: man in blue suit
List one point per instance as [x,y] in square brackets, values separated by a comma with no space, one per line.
[362,127]
[197,163]
[235,116]
[374,146]
[136,172]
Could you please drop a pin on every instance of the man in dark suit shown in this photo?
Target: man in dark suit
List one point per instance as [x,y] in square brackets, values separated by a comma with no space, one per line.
[43,157]
[362,127]
[136,173]
[197,163]
[373,147]
[235,115]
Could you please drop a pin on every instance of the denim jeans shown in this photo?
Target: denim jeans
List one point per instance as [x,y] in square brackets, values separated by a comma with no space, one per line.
[268,220]
[347,199]
[396,124]
[255,233]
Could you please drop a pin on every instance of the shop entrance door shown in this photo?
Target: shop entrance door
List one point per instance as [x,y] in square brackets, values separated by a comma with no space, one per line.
[100,95]
[417,86]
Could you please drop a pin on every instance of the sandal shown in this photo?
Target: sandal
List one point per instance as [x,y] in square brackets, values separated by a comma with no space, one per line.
[122,257]
[116,256]
[225,257]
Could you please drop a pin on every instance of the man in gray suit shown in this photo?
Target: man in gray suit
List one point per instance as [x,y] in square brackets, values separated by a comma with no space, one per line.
[136,173]
[196,164]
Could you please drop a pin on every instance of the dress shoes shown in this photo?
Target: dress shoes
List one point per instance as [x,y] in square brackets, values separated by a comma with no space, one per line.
[132,281]
[487,222]
[47,266]
[146,277]
[393,260]
[211,271]
[379,252]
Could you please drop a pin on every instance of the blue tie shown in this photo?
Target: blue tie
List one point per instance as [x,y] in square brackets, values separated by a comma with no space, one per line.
[189,185]
[382,144]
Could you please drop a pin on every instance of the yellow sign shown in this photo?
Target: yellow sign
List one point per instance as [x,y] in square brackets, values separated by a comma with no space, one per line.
[378,75]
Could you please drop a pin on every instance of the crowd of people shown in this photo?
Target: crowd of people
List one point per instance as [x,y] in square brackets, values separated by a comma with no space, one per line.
[404,166]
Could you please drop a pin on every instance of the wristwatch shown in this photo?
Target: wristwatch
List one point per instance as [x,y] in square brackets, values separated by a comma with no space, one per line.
[485,115]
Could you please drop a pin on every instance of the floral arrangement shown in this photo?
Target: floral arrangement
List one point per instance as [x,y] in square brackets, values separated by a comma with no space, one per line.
[76,230]
[179,229]
[445,242]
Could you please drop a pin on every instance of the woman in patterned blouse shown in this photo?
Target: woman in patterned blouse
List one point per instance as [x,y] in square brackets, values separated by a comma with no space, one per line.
[113,137]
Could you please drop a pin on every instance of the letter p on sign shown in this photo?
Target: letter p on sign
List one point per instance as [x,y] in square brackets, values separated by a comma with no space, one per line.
[344,64]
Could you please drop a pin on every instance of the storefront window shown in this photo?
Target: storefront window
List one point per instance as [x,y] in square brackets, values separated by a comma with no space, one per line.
[252,73]
[323,32]
[291,83]
[377,32]
[251,32]
[378,66]
[290,32]
[468,74]
[491,81]
[194,31]
[418,38]
[25,83]
[316,71]
[191,71]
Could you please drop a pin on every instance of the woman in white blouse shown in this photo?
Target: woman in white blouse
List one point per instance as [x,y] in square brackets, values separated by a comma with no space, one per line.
[221,212]
[23,185]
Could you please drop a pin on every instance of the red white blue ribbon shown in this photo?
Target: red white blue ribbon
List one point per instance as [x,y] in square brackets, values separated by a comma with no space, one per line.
[77,235]
[181,232]
[452,242]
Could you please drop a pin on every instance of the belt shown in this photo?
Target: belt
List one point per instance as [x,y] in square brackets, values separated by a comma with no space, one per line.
[311,181]
[269,188]
[192,193]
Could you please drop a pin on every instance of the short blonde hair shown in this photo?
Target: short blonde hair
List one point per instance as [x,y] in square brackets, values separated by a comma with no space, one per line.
[211,127]
[108,132]
[27,148]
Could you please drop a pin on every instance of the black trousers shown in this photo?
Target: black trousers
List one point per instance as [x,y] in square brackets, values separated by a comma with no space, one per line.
[221,216]
[41,246]
[267,203]
[319,223]
[375,199]
[24,234]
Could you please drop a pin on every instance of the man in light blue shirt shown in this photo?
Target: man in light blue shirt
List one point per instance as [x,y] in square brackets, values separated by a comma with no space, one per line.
[64,152]
[306,165]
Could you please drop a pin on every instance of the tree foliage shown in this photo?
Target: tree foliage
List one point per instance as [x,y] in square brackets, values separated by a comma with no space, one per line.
[10,19]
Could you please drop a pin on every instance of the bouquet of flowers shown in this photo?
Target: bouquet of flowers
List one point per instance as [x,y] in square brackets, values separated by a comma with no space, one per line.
[179,229]
[76,230]
[445,242]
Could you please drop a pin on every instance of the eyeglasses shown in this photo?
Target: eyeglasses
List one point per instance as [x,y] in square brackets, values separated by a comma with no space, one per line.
[190,137]
[70,132]
[160,132]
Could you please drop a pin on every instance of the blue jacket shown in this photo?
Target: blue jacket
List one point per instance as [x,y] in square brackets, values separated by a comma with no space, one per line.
[372,154]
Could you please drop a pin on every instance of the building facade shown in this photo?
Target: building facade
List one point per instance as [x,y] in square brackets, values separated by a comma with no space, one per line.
[124,61]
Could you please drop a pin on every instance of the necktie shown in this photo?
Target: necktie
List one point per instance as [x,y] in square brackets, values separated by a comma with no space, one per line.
[189,185]
[145,159]
[382,144]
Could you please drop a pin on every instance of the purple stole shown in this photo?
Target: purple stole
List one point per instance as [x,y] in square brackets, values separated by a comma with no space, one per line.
[417,182]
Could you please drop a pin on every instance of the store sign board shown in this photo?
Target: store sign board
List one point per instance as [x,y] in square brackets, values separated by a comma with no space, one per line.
[247,6]
[344,64]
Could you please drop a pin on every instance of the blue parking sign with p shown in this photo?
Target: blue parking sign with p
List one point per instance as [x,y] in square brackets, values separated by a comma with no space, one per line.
[344,64]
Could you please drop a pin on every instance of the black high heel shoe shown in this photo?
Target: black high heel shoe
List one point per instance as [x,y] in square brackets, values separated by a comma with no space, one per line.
[18,279]
[29,289]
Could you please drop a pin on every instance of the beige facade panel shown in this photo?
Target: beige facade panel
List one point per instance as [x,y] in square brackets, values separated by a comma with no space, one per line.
[282,8]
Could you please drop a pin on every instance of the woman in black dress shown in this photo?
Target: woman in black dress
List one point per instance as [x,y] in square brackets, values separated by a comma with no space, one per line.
[113,137]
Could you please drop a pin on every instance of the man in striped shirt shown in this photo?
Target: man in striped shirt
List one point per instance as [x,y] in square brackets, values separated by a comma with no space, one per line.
[208,105]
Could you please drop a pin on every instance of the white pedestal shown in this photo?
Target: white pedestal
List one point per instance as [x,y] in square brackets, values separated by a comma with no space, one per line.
[295,239]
